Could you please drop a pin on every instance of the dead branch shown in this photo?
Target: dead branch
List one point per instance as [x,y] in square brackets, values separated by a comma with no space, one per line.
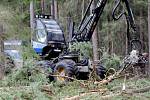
[47,90]
[142,90]
[98,90]
[71,79]
[124,84]
[14,88]
[21,87]
[146,89]
[77,97]
[110,96]
[106,81]
[119,88]
[85,94]
[112,77]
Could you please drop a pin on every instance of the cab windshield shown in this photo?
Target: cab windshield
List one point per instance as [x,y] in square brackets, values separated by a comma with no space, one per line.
[40,32]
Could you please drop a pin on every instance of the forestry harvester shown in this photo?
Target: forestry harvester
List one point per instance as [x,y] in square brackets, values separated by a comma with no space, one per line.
[50,44]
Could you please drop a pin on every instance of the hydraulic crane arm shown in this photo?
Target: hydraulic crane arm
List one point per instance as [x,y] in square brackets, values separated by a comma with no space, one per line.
[88,24]
[133,40]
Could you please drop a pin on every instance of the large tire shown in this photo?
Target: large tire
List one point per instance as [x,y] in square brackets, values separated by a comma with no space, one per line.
[83,75]
[101,71]
[47,67]
[65,68]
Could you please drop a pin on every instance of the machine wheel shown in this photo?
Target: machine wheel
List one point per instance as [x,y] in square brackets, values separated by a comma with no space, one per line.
[65,68]
[101,71]
[47,67]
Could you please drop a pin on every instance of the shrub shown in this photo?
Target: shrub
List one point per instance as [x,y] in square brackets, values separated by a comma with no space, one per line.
[84,48]
[110,61]
[26,75]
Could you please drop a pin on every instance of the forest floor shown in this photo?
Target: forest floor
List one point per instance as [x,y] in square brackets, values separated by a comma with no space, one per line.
[19,85]
[118,89]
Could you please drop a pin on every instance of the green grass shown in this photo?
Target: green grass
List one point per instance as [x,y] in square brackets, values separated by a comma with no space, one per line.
[61,91]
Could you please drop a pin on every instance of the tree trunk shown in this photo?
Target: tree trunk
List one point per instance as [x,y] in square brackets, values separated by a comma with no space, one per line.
[1,53]
[43,6]
[54,9]
[141,29]
[95,40]
[32,15]
[70,28]
[83,8]
[32,23]
[149,34]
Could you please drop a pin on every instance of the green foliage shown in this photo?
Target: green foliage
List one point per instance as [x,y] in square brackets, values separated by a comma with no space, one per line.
[28,52]
[61,91]
[85,48]
[25,76]
[32,92]
[26,81]
[110,61]
[14,28]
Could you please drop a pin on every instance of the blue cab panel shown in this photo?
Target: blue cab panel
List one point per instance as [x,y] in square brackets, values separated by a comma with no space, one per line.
[37,46]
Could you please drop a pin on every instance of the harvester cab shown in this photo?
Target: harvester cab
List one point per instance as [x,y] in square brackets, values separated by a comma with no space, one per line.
[48,39]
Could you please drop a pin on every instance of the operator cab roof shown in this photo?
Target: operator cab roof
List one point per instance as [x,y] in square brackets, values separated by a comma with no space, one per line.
[47,29]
